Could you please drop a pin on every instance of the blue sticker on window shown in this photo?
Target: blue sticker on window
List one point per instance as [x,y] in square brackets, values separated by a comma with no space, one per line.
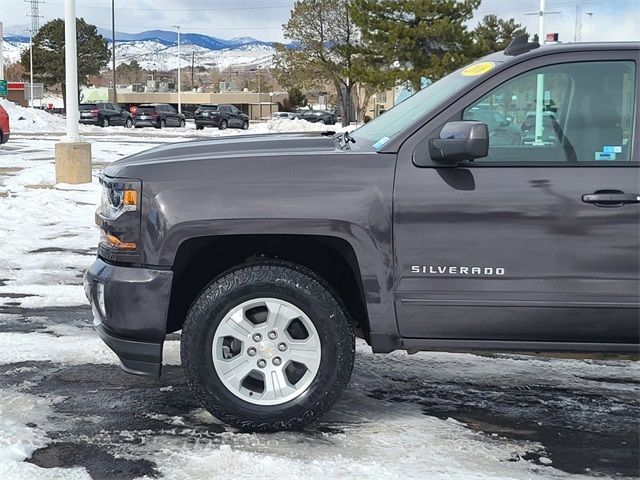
[605,156]
[612,149]
[381,142]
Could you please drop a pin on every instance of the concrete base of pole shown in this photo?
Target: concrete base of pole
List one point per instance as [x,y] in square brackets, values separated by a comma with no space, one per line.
[73,162]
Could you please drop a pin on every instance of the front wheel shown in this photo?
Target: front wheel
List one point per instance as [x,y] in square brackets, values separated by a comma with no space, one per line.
[128,123]
[267,347]
[182,123]
[245,125]
[105,122]
[223,125]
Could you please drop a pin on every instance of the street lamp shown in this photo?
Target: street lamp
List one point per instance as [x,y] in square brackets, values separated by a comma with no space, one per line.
[179,89]
[113,45]
[590,15]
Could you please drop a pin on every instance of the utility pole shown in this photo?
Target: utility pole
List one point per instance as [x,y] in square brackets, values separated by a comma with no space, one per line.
[193,54]
[577,36]
[113,45]
[35,26]
[179,88]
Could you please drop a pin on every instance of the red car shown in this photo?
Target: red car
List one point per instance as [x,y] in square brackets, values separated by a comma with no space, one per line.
[4,126]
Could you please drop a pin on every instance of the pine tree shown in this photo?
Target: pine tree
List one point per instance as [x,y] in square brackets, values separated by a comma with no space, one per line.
[417,38]
[494,34]
[48,53]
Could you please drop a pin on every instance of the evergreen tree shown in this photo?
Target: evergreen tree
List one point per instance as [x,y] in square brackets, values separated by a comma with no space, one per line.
[494,34]
[417,38]
[49,48]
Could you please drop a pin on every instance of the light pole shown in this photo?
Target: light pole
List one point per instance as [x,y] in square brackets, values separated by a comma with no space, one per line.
[590,15]
[73,157]
[113,45]
[1,55]
[179,88]
[31,67]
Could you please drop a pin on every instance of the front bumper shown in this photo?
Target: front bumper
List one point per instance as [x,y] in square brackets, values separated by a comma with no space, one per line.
[130,312]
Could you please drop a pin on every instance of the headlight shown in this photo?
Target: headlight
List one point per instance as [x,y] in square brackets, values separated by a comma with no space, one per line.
[118,198]
[118,216]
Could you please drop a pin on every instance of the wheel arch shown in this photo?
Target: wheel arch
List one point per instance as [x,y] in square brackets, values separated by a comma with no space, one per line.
[200,260]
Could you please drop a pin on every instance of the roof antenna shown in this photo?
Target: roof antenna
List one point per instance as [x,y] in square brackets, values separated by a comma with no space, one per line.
[519,45]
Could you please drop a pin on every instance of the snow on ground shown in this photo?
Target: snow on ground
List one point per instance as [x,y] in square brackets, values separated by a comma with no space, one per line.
[378,429]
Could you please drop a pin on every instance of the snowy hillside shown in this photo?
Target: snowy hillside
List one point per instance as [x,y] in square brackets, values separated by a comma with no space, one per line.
[158,54]
[153,55]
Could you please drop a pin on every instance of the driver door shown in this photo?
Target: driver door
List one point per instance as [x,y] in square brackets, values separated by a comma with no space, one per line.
[523,245]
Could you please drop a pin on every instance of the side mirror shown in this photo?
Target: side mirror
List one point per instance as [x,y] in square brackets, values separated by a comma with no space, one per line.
[460,141]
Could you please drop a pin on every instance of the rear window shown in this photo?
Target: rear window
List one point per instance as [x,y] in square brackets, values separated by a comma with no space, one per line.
[208,107]
[146,109]
[88,106]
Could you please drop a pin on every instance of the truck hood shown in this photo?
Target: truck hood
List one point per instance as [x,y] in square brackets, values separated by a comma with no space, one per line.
[226,147]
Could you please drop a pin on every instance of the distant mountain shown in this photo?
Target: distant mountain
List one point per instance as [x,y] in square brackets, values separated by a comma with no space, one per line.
[170,37]
[157,52]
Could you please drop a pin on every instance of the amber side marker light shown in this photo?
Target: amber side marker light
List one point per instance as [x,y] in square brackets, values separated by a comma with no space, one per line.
[130,198]
[114,242]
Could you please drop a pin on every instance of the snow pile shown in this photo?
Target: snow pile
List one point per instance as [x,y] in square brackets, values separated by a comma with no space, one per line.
[30,120]
[286,125]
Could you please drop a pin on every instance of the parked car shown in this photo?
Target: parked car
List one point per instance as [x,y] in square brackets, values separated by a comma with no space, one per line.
[549,128]
[501,131]
[220,116]
[270,253]
[5,126]
[315,116]
[286,115]
[158,115]
[105,114]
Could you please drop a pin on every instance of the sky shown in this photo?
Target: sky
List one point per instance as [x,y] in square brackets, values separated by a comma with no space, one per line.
[610,20]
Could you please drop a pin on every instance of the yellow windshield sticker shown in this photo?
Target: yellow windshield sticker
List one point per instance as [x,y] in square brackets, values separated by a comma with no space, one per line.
[477,69]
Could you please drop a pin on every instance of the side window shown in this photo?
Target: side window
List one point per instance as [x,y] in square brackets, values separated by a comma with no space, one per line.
[574,112]
[170,109]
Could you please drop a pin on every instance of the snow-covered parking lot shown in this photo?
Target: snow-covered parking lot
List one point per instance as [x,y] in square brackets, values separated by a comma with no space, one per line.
[67,411]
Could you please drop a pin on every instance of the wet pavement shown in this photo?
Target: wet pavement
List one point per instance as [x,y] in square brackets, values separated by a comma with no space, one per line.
[101,412]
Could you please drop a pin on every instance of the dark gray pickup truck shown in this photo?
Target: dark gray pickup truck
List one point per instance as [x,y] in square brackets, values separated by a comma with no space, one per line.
[425,229]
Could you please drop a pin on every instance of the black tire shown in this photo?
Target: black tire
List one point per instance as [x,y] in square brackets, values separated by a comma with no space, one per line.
[162,124]
[296,285]
[199,127]
[223,125]
[105,122]
[245,125]
[182,123]
[128,123]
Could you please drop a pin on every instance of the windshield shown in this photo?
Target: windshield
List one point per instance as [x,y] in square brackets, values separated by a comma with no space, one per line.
[382,129]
